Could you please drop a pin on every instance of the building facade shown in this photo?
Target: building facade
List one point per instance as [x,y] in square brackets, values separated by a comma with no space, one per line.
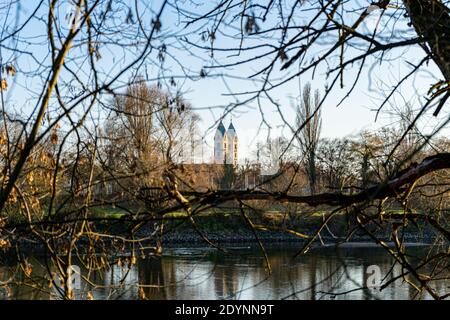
[225,145]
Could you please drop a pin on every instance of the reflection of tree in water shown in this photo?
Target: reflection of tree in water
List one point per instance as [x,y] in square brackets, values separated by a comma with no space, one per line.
[22,287]
[170,277]
[313,279]
[320,274]
[225,281]
[151,278]
[365,279]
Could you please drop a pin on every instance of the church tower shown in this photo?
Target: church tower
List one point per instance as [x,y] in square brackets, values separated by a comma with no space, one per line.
[231,157]
[220,145]
[225,145]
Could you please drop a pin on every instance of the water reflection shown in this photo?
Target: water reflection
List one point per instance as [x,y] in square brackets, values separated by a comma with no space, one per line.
[324,273]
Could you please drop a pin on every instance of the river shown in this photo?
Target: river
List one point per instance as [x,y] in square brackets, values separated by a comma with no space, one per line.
[204,273]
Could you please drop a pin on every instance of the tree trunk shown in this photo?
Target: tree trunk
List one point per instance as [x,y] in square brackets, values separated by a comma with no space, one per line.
[431,20]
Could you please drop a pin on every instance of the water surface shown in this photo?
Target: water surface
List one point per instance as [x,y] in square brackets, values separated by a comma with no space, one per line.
[203,273]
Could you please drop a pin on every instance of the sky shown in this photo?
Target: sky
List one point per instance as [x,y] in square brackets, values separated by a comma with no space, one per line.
[210,95]
[356,114]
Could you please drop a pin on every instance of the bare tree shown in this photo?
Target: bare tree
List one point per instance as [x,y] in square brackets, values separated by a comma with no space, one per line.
[139,105]
[63,69]
[308,116]
[337,164]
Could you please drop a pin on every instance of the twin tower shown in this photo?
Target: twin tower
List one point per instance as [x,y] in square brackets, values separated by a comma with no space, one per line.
[225,145]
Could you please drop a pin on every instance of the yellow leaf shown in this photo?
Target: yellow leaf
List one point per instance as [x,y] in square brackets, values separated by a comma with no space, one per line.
[28,269]
[133,260]
[42,156]
[30,177]
[4,244]
[70,294]
[4,85]
[142,294]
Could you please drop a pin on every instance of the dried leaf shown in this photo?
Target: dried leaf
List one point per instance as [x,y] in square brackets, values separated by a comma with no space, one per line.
[156,24]
[129,19]
[4,244]
[70,294]
[28,269]
[54,138]
[282,54]
[142,294]
[10,68]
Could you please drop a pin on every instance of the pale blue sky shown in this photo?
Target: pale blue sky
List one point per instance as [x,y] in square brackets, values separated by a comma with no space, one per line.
[207,94]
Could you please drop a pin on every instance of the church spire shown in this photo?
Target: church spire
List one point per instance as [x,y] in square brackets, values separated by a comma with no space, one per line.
[231,127]
[221,128]
[232,150]
[225,144]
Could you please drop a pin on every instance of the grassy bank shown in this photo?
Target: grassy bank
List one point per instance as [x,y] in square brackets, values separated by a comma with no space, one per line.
[228,226]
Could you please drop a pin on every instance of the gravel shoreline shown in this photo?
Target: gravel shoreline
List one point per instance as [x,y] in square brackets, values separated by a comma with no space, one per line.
[270,237]
[190,238]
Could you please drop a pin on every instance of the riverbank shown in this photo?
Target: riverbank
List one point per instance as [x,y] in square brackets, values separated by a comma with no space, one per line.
[230,238]
[231,230]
